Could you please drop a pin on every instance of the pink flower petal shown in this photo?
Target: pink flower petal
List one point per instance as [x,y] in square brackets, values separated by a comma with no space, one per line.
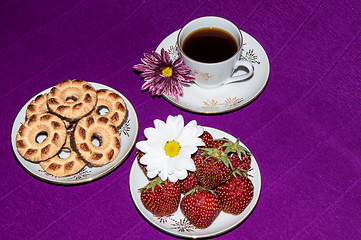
[156,82]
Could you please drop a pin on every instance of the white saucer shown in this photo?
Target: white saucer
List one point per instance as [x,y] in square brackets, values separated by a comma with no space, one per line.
[227,97]
[128,135]
[177,224]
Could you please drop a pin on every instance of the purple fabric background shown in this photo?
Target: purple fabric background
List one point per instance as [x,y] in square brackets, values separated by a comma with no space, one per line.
[304,130]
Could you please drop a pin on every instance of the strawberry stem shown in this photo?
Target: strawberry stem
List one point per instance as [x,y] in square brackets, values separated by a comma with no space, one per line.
[157,181]
[241,172]
[234,147]
[218,154]
[196,189]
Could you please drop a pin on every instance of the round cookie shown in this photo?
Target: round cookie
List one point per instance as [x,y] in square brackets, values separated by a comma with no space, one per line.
[100,129]
[61,167]
[37,106]
[72,99]
[47,126]
[114,103]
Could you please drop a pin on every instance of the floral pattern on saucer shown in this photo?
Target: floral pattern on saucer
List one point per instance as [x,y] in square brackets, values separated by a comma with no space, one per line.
[249,55]
[229,103]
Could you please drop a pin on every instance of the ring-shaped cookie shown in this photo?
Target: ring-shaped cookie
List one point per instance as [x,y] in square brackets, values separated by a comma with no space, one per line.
[61,167]
[114,104]
[91,128]
[37,106]
[72,99]
[47,125]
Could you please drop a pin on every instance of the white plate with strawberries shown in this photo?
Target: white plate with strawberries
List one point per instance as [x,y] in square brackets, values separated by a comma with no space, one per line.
[177,224]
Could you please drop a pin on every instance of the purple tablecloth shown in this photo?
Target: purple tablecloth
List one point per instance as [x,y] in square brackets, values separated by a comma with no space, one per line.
[304,129]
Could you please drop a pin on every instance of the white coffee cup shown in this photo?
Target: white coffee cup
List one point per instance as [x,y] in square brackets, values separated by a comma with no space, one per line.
[218,73]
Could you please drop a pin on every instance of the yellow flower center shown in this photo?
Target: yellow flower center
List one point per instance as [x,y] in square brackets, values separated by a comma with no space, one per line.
[167,72]
[172,148]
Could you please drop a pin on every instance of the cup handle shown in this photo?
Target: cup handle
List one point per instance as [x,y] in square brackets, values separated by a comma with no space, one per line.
[241,63]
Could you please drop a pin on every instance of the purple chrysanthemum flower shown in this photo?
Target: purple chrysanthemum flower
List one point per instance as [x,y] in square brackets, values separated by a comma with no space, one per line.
[164,75]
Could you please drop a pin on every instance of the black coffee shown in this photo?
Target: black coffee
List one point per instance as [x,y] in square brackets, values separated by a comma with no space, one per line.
[210,45]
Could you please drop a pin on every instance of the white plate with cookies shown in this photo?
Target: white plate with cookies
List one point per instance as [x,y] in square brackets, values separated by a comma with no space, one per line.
[125,135]
[177,224]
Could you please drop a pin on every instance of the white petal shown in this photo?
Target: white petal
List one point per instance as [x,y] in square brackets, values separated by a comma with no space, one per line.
[171,166]
[190,166]
[150,132]
[164,164]
[187,164]
[199,142]
[196,142]
[143,146]
[190,132]
[156,142]
[152,156]
[185,136]
[182,174]
[200,130]
[159,125]
[173,133]
[174,127]
[152,174]
[177,120]
[188,150]
[179,162]
[145,159]
[192,123]
[163,175]
[181,156]
[181,165]
[153,134]
[173,177]
[155,164]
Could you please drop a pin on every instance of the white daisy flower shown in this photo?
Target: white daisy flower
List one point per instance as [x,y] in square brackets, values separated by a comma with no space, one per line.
[169,147]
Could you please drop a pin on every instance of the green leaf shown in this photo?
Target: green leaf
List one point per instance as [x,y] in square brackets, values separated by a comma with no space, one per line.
[157,181]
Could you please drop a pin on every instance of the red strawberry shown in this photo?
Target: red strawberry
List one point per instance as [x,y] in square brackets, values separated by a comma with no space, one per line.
[235,194]
[161,197]
[200,206]
[244,162]
[239,155]
[188,183]
[207,139]
[212,167]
